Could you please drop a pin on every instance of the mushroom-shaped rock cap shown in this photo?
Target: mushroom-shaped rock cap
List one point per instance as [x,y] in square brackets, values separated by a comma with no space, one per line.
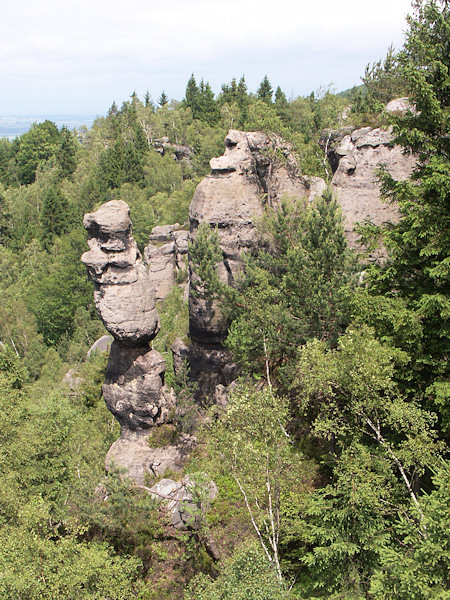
[111,218]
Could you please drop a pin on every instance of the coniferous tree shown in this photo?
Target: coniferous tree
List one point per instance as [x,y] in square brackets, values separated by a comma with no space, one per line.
[163,99]
[280,98]
[191,95]
[265,91]
[207,109]
[147,99]
[54,218]
[419,245]
[66,155]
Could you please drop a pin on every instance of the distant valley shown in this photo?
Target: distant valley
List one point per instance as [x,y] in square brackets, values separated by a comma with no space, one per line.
[13,126]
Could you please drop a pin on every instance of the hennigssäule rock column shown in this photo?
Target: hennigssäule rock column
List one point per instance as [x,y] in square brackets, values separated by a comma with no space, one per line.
[134,388]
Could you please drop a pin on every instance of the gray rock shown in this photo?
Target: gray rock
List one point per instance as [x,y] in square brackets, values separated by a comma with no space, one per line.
[181,500]
[253,171]
[163,233]
[400,106]
[123,292]
[134,387]
[209,366]
[103,344]
[354,157]
[162,268]
[166,260]
[72,379]
[132,455]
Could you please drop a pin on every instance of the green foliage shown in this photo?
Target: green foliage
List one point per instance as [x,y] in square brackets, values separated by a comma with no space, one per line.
[40,567]
[349,394]
[417,269]
[54,217]
[249,441]
[205,254]
[247,575]
[265,91]
[293,290]
[417,567]
[383,81]
[39,144]
[163,435]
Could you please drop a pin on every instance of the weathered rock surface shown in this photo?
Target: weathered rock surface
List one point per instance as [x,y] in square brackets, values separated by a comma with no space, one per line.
[133,455]
[254,170]
[354,157]
[123,292]
[134,387]
[180,499]
[103,344]
[166,256]
[399,106]
[177,151]
[210,366]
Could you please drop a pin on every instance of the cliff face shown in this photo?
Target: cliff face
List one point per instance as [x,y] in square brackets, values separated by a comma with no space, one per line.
[254,170]
[354,157]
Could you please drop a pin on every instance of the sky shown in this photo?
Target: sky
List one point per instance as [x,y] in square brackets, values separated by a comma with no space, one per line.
[78,56]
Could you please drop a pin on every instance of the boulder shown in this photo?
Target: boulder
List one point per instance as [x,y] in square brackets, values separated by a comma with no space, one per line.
[181,500]
[400,106]
[132,455]
[103,344]
[123,292]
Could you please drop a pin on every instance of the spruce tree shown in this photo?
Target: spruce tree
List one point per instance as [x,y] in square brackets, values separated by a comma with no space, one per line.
[163,99]
[191,95]
[265,90]
[418,268]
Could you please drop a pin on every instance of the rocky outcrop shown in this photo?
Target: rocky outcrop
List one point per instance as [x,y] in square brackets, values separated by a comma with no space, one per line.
[134,389]
[210,366]
[254,170]
[132,454]
[166,256]
[400,106]
[182,500]
[179,152]
[354,157]
[123,293]
[103,344]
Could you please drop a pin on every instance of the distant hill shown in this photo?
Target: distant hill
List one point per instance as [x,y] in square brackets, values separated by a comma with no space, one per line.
[355,88]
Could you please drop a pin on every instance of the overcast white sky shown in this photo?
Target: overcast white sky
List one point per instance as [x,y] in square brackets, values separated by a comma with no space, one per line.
[78,56]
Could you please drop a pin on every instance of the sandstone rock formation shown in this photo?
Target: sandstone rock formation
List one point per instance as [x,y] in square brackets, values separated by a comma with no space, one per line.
[178,151]
[354,157]
[134,389]
[181,500]
[123,293]
[254,170]
[166,255]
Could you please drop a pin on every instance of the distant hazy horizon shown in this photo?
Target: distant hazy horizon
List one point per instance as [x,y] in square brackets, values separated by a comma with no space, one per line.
[12,126]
